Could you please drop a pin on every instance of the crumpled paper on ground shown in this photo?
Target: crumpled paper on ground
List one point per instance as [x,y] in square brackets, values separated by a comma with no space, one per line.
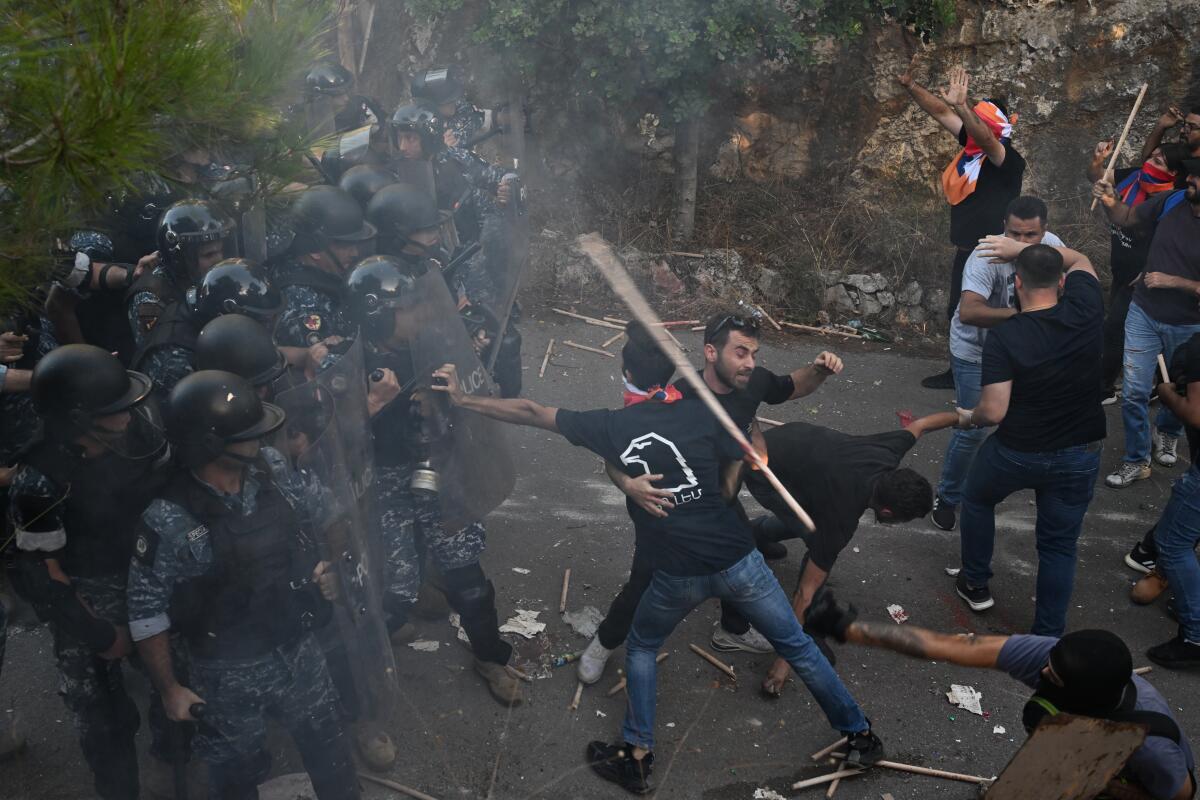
[425,645]
[585,621]
[966,698]
[525,623]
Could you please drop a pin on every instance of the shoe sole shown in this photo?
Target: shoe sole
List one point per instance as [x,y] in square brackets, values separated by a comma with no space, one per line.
[723,647]
[974,605]
[1136,566]
[1163,463]
[1165,664]
[1113,485]
[942,527]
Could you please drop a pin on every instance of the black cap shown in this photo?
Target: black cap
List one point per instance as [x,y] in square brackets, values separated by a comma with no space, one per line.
[210,409]
[1095,667]
[83,379]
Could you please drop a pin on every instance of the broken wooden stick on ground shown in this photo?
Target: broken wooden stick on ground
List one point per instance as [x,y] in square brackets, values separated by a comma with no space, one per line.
[915,770]
[621,684]
[589,320]
[716,662]
[825,751]
[546,359]
[578,696]
[822,331]
[595,350]
[607,342]
[562,601]
[396,787]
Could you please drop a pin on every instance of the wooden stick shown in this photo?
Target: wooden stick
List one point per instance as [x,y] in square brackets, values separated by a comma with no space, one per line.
[587,319]
[396,787]
[678,343]
[601,254]
[685,255]
[546,359]
[1142,670]
[825,751]
[1162,367]
[933,773]
[821,331]
[595,350]
[770,319]
[833,776]
[833,787]
[678,323]
[607,342]
[696,328]
[710,658]
[578,696]
[562,600]
[765,421]
[619,685]
[1137,104]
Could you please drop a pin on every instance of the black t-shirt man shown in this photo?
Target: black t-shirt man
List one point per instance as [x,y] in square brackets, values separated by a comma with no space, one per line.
[1174,250]
[981,213]
[832,475]
[742,404]
[1052,357]
[684,443]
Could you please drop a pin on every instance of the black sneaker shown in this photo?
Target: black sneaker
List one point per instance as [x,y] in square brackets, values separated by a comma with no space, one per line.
[615,762]
[943,380]
[943,515]
[1140,559]
[866,749]
[977,597]
[1176,654]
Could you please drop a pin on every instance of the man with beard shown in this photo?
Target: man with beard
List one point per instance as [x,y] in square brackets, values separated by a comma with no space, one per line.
[75,503]
[730,351]
[1163,313]
[1088,673]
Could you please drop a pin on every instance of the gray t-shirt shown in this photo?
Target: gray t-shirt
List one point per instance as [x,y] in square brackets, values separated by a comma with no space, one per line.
[993,281]
[1159,766]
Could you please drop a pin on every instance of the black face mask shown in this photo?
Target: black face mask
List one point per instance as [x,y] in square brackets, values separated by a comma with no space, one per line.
[1050,699]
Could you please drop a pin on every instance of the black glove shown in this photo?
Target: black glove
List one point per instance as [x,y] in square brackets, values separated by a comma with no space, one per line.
[826,617]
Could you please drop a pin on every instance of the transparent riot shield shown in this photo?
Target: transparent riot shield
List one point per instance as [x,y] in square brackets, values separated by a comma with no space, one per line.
[353,146]
[418,172]
[467,451]
[327,438]
[319,114]
[507,253]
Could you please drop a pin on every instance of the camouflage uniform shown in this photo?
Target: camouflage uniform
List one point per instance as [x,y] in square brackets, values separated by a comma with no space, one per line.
[167,366]
[148,299]
[290,680]
[84,524]
[312,306]
[466,122]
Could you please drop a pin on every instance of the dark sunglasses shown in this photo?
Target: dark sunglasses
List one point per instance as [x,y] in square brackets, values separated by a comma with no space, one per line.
[734,321]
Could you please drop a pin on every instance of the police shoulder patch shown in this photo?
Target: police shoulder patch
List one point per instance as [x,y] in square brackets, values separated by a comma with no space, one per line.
[313,322]
[146,547]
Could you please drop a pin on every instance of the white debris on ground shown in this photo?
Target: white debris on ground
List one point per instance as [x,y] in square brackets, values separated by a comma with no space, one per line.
[585,621]
[897,613]
[520,570]
[966,698]
[525,623]
[425,645]
[767,794]
[456,621]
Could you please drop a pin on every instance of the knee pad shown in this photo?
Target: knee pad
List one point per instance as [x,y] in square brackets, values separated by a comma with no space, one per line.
[465,580]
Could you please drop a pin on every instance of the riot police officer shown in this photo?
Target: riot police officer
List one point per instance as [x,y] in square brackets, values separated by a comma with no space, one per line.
[233,286]
[330,236]
[327,90]
[75,503]
[441,90]
[364,180]
[384,297]
[243,346]
[225,557]
[190,239]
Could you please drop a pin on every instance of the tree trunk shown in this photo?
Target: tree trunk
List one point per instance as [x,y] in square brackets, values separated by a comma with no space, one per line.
[687,148]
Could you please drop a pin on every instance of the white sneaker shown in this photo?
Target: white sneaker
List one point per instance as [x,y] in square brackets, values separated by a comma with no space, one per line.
[1165,449]
[751,641]
[1128,473]
[591,664]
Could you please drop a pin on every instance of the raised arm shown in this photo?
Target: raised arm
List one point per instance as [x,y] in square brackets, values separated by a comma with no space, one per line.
[1169,119]
[973,309]
[931,104]
[1095,170]
[517,411]
[1118,213]
[1001,250]
[808,379]
[957,98]
[827,617]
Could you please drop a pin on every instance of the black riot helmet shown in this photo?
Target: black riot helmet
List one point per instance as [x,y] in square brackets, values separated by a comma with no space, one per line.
[323,215]
[211,409]
[75,383]
[234,286]
[182,228]
[437,87]
[328,79]
[421,121]
[240,345]
[376,287]
[364,180]
[400,210]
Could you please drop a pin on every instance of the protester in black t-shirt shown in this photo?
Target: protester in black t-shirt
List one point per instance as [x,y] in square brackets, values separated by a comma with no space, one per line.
[1128,250]
[731,344]
[702,549]
[1041,385]
[1178,530]
[836,477]
[979,183]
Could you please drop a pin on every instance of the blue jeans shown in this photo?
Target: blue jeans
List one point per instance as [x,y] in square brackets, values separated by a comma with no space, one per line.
[752,588]
[1144,340]
[961,449]
[1063,481]
[1177,534]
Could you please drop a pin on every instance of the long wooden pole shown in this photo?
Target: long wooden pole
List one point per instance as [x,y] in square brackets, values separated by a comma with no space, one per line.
[1137,104]
[600,253]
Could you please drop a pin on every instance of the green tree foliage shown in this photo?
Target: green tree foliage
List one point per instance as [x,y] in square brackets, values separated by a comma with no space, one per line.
[94,92]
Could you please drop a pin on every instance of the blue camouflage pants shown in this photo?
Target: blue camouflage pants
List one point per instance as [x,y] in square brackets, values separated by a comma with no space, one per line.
[291,684]
[93,689]
[411,529]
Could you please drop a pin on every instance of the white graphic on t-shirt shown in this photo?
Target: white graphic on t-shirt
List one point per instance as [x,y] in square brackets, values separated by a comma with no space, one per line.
[637,453]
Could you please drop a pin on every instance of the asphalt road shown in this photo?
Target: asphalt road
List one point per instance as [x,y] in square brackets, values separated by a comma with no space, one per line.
[717,740]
